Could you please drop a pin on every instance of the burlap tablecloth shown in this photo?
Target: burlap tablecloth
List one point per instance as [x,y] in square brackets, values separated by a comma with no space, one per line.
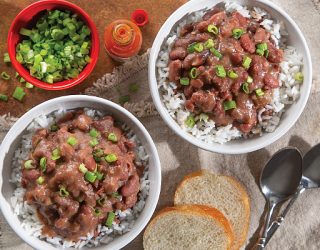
[301,229]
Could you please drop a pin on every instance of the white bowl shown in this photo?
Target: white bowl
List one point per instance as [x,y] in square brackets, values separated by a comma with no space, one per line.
[13,138]
[288,119]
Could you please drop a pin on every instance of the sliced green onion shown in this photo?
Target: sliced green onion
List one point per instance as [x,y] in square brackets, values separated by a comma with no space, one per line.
[220,71]
[110,219]
[110,158]
[94,142]
[190,48]
[209,44]
[203,117]
[237,33]
[5,76]
[28,85]
[229,105]
[3,98]
[213,29]
[299,77]
[266,53]
[55,154]
[28,164]
[259,92]
[184,81]
[43,164]
[94,133]
[123,99]
[101,201]
[25,32]
[6,58]
[245,88]
[63,192]
[112,137]
[232,74]
[99,176]
[194,73]
[190,122]
[40,180]
[21,80]
[89,176]
[198,47]
[246,62]
[97,154]
[262,46]
[259,52]
[216,53]
[249,79]
[18,94]
[72,141]
[116,195]
[54,128]
[97,212]
[83,168]
[133,87]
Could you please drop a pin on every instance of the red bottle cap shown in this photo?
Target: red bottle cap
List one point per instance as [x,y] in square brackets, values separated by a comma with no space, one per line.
[140,17]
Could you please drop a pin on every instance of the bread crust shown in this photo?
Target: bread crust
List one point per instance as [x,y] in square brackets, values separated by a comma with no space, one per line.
[196,210]
[244,198]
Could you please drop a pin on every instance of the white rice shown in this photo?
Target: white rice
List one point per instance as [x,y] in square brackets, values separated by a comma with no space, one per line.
[28,215]
[286,94]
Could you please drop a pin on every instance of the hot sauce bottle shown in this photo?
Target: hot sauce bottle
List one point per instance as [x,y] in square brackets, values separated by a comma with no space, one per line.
[122,39]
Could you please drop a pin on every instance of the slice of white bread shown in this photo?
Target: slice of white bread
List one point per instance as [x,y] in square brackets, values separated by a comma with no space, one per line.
[221,192]
[192,227]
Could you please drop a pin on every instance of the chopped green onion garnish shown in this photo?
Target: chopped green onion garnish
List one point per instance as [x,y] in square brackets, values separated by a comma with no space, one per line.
[220,71]
[190,48]
[259,92]
[259,52]
[194,73]
[237,33]
[25,32]
[43,164]
[110,158]
[184,81]
[83,168]
[299,77]
[97,212]
[213,29]
[262,46]
[28,164]
[245,88]
[116,195]
[6,58]
[232,74]
[40,180]
[112,137]
[203,117]
[229,105]
[216,53]
[28,85]
[22,80]
[18,94]
[246,62]
[266,53]
[3,98]
[99,176]
[97,154]
[54,128]
[133,87]
[190,122]
[110,219]
[72,141]
[55,154]
[123,99]
[94,142]
[89,176]
[198,47]
[63,192]
[249,79]
[94,133]
[209,44]
[101,201]
[5,76]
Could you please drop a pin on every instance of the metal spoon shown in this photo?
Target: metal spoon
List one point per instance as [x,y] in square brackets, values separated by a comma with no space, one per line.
[310,179]
[279,180]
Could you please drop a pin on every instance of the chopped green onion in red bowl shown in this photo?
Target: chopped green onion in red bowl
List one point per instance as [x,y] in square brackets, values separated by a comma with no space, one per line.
[53,44]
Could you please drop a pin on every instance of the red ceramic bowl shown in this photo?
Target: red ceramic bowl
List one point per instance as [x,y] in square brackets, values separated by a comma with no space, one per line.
[27,17]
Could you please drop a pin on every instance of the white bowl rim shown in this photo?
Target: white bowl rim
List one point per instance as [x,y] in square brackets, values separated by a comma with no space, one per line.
[129,236]
[215,147]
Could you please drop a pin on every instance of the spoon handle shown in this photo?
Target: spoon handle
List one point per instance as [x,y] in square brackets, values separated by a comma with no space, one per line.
[277,223]
[261,243]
